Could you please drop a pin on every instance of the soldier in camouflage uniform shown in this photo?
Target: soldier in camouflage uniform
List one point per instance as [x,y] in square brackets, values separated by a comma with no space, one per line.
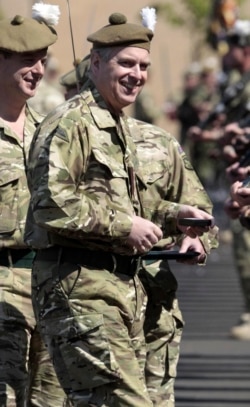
[27,377]
[162,338]
[73,80]
[234,106]
[157,152]
[87,222]
[239,41]
[145,107]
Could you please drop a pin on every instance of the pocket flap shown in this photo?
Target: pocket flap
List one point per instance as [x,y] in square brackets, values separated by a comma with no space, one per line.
[8,174]
[73,326]
[116,169]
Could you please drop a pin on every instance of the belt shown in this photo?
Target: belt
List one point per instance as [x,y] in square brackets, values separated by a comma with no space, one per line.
[114,263]
[17,258]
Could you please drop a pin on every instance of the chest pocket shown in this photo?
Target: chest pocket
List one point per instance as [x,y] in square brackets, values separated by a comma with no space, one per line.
[153,171]
[104,166]
[9,181]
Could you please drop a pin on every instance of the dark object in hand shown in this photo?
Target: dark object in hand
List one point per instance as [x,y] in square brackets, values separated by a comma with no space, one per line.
[169,255]
[196,222]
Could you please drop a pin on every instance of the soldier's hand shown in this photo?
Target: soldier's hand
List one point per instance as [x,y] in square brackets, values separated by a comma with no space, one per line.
[245,217]
[194,133]
[230,154]
[237,173]
[143,235]
[240,193]
[187,211]
[232,208]
[230,131]
[193,245]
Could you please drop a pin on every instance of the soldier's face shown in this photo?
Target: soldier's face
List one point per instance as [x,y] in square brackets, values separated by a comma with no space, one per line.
[236,57]
[21,73]
[121,78]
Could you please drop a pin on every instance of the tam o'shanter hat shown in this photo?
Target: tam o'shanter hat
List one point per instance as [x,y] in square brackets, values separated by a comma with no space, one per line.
[21,34]
[121,33]
[239,34]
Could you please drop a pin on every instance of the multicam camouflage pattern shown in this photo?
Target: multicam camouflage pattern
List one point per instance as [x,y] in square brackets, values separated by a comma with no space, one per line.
[14,193]
[81,163]
[163,330]
[92,321]
[17,321]
[84,177]
[171,181]
[79,178]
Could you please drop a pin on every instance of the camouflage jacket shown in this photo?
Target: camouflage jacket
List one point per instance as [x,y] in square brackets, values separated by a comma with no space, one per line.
[170,179]
[84,177]
[14,193]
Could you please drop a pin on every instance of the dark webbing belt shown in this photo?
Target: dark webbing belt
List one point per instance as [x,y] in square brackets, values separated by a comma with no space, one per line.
[112,262]
[17,258]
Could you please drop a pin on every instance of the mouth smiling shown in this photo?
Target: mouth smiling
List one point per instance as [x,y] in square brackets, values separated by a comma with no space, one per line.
[131,87]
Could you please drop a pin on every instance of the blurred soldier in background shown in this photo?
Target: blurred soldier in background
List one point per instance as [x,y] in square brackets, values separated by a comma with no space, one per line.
[223,15]
[145,106]
[206,96]
[181,107]
[73,80]
[234,107]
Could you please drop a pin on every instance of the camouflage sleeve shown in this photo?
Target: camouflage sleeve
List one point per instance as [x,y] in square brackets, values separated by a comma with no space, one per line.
[170,177]
[60,200]
[190,191]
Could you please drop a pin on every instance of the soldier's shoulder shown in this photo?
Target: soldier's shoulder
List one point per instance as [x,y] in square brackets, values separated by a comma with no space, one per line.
[152,131]
[64,115]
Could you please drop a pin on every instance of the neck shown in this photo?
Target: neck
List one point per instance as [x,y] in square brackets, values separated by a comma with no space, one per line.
[14,117]
[10,110]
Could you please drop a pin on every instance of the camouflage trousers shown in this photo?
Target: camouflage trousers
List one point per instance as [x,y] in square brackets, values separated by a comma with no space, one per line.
[163,331]
[27,377]
[92,321]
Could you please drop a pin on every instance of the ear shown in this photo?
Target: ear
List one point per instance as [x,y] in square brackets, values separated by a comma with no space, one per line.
[246,51]
[95,62]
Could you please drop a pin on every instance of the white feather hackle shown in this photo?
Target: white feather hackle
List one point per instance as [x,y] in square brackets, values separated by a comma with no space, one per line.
[46,12]
[148,18]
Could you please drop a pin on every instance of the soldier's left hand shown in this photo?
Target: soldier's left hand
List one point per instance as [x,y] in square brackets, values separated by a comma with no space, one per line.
[188,244]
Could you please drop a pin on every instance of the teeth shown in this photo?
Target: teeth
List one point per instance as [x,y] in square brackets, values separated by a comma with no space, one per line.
[129,86]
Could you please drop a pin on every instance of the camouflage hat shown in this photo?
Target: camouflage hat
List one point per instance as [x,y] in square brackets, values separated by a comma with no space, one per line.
[21,34]
[121,33]
[239,34]
[80,73]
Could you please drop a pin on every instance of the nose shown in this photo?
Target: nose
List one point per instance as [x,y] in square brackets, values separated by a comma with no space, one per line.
[136,71]
[39,68]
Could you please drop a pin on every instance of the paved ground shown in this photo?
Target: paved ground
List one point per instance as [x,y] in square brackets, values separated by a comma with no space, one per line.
[214,370]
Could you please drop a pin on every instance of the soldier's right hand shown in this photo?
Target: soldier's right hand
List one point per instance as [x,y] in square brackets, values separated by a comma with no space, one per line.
[235,172]
[232,208]
[143,235]
[240,192]
[187,211]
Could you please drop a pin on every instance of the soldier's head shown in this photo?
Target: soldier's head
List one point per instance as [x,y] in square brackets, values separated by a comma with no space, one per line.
[76,78]
[120,58]
[239,43]
[23,49]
